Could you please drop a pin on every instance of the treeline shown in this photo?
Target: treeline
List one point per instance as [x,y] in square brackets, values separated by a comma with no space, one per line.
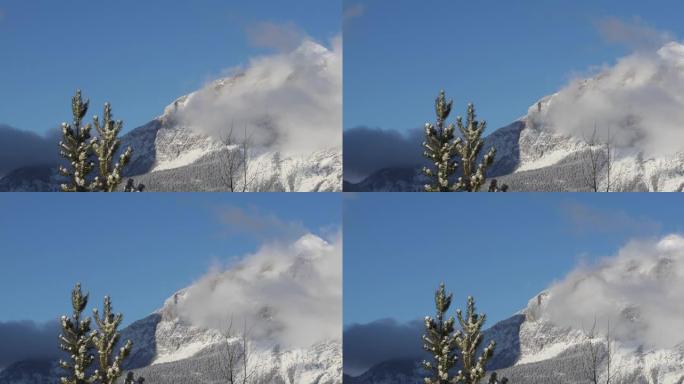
[208,174]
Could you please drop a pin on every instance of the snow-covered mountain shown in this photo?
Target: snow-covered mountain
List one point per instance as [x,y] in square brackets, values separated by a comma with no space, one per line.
[182,149]
[168,349]
[530,348]
[175,345]
[546,149]
[637,293]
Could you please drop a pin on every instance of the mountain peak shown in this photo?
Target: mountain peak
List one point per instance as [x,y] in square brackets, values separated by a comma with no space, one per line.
[310,242]
[673,51]
[309,46]
[671,242]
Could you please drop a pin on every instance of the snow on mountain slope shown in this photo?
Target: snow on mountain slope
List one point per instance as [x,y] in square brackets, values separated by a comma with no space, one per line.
[638,291]
[320,364]
[319,171]
[181,327]
[635,104]
[541,339]
[184,136]
[177,341]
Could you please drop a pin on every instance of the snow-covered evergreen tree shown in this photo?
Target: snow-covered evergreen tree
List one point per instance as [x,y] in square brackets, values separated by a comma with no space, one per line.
[76,339]
[446,344]
[468,150]
[105,148]
[80,342]
[440,341]
[467,341]
[76,147]
[81,150]
[444,149]
[105,340]
[440,148]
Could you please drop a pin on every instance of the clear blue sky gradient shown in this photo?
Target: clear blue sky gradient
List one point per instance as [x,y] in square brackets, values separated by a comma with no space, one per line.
[138,55]
[501,55]
[398,247]
[138,248]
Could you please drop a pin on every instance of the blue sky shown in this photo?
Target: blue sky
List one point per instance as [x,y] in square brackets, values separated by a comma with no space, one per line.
[138,55]
[398,247]
[154,244]
[503,56]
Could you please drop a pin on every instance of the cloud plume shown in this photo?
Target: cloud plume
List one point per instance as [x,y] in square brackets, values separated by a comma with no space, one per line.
[290,101]
[640,291]
[252,222]
[288,293]
[282,37]
[638,102]
[633,34]
[587,219]
[353,11]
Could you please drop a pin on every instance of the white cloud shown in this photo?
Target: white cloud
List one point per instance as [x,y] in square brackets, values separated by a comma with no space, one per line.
[353,11]
[289,101]
[638,102]
[253,222]
[634,34]
[587,219]
[283,37]
[289,293]
[640,290]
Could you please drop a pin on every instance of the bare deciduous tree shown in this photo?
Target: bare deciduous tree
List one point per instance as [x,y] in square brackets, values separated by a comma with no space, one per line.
[236,172]
[597,358]
[599,158]
[609,159]
[237,364]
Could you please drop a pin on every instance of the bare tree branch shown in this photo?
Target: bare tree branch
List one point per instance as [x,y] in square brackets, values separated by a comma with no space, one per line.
[609,159]
[598,158]
[236,363]
[597,359]
[236,171]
